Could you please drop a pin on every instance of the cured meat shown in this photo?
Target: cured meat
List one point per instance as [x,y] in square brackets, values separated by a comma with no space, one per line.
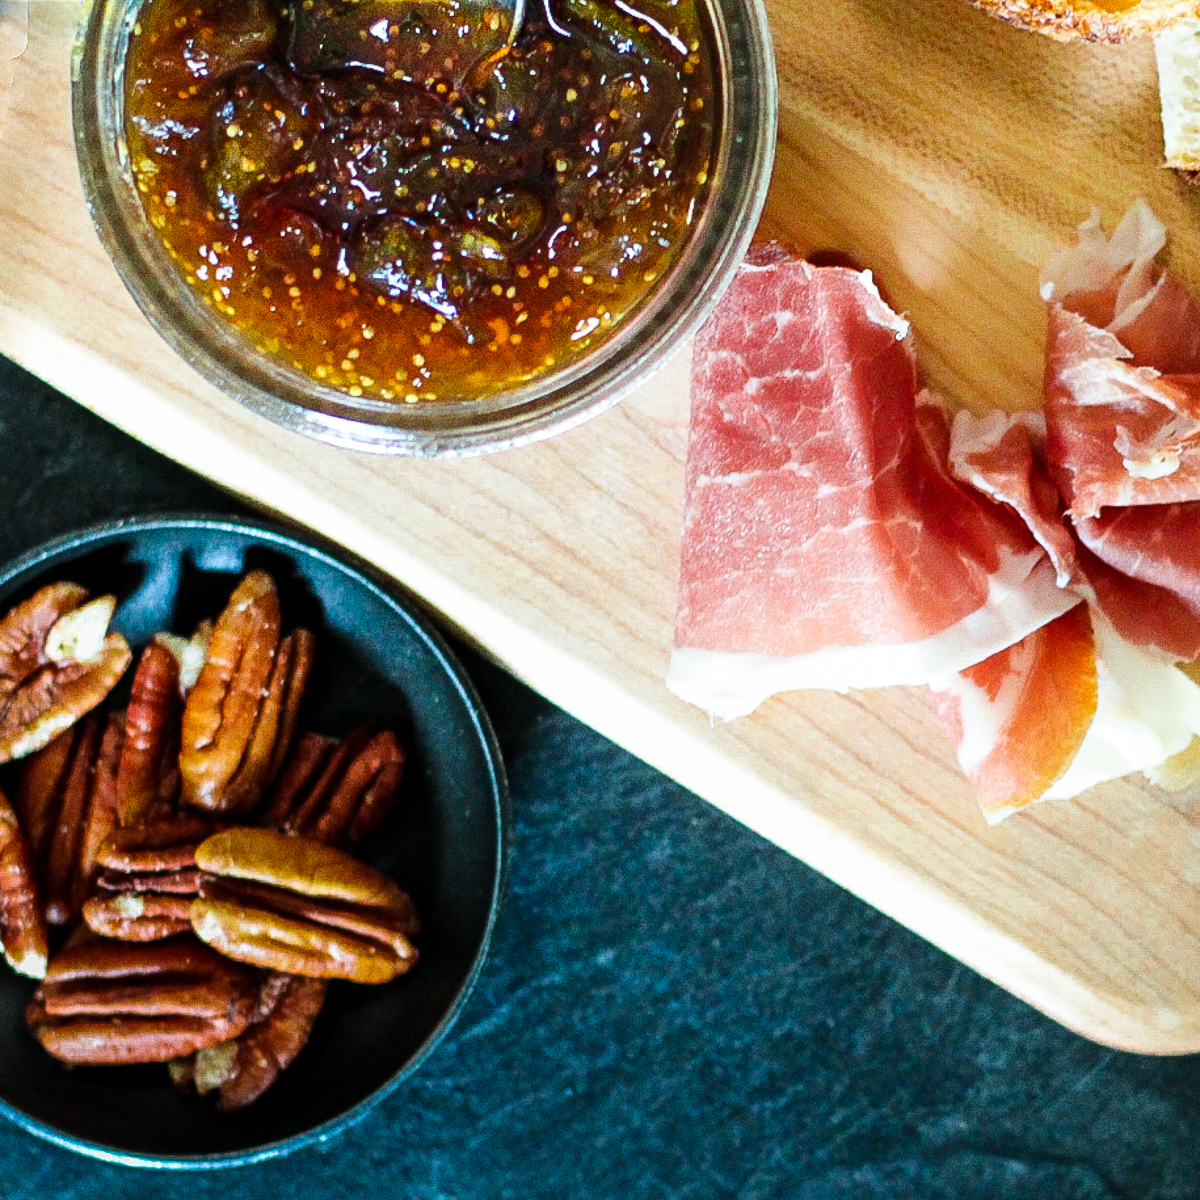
[825,544]
[1122,406]
[1122,395]
[1146,710]
[1072,706]
[1144,573]
[1137,565]
[1120,440]
[1109,483]
[1019,718]
[1003,456]
[1040,571]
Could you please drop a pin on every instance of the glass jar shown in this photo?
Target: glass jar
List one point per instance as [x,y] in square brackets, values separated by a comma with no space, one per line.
[576,388]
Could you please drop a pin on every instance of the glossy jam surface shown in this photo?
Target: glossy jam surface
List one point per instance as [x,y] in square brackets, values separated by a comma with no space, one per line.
[396,201]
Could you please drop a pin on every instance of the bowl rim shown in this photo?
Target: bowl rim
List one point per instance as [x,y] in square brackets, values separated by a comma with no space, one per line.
[744,148]
[27,566]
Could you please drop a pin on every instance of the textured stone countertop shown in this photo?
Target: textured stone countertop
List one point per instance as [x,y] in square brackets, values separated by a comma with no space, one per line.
[672,1007]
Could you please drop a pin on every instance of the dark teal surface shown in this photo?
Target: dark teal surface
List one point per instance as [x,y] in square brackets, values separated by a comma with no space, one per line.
[672,1008]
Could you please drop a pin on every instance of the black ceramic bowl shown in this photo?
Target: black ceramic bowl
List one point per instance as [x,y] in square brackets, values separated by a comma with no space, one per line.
[377,659]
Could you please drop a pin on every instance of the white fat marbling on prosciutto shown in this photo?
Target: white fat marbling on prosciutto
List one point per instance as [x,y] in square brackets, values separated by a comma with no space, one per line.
[1096,260]
[1023,596]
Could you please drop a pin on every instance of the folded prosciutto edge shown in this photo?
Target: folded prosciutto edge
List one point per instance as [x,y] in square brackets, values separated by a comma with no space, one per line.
[1023,596]
[1146,716]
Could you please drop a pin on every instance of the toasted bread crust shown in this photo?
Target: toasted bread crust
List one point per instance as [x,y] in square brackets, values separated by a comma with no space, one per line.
[1114,21]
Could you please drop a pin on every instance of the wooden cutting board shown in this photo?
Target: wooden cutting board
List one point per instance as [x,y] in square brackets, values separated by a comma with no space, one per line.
[951,154]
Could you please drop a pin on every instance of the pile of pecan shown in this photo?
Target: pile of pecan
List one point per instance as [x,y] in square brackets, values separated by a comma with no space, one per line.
[191,857]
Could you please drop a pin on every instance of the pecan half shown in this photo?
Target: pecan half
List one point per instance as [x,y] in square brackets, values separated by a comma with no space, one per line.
[239,716]
[148,879]
[25,628]
[295,905]
[105,1002]
[102,815]
[166,843]
[55,791]
[40,781]
[337,792]
[222,710]
[275,723]
[22,921]
[287,1010]
[148,774]
[242,1069]
[296,655]
[57,662]
[67,799]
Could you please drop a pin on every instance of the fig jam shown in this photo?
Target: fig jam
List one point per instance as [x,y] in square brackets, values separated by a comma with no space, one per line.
[404,203]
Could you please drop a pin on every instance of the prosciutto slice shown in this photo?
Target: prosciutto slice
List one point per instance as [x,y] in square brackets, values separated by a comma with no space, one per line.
[1073,705]
[1122,395]
[1122,409]
[1136,565]
[825,543]
[1108,481]
[1019,718]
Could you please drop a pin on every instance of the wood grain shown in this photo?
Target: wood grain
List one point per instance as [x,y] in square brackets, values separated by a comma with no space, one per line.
[951,154]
